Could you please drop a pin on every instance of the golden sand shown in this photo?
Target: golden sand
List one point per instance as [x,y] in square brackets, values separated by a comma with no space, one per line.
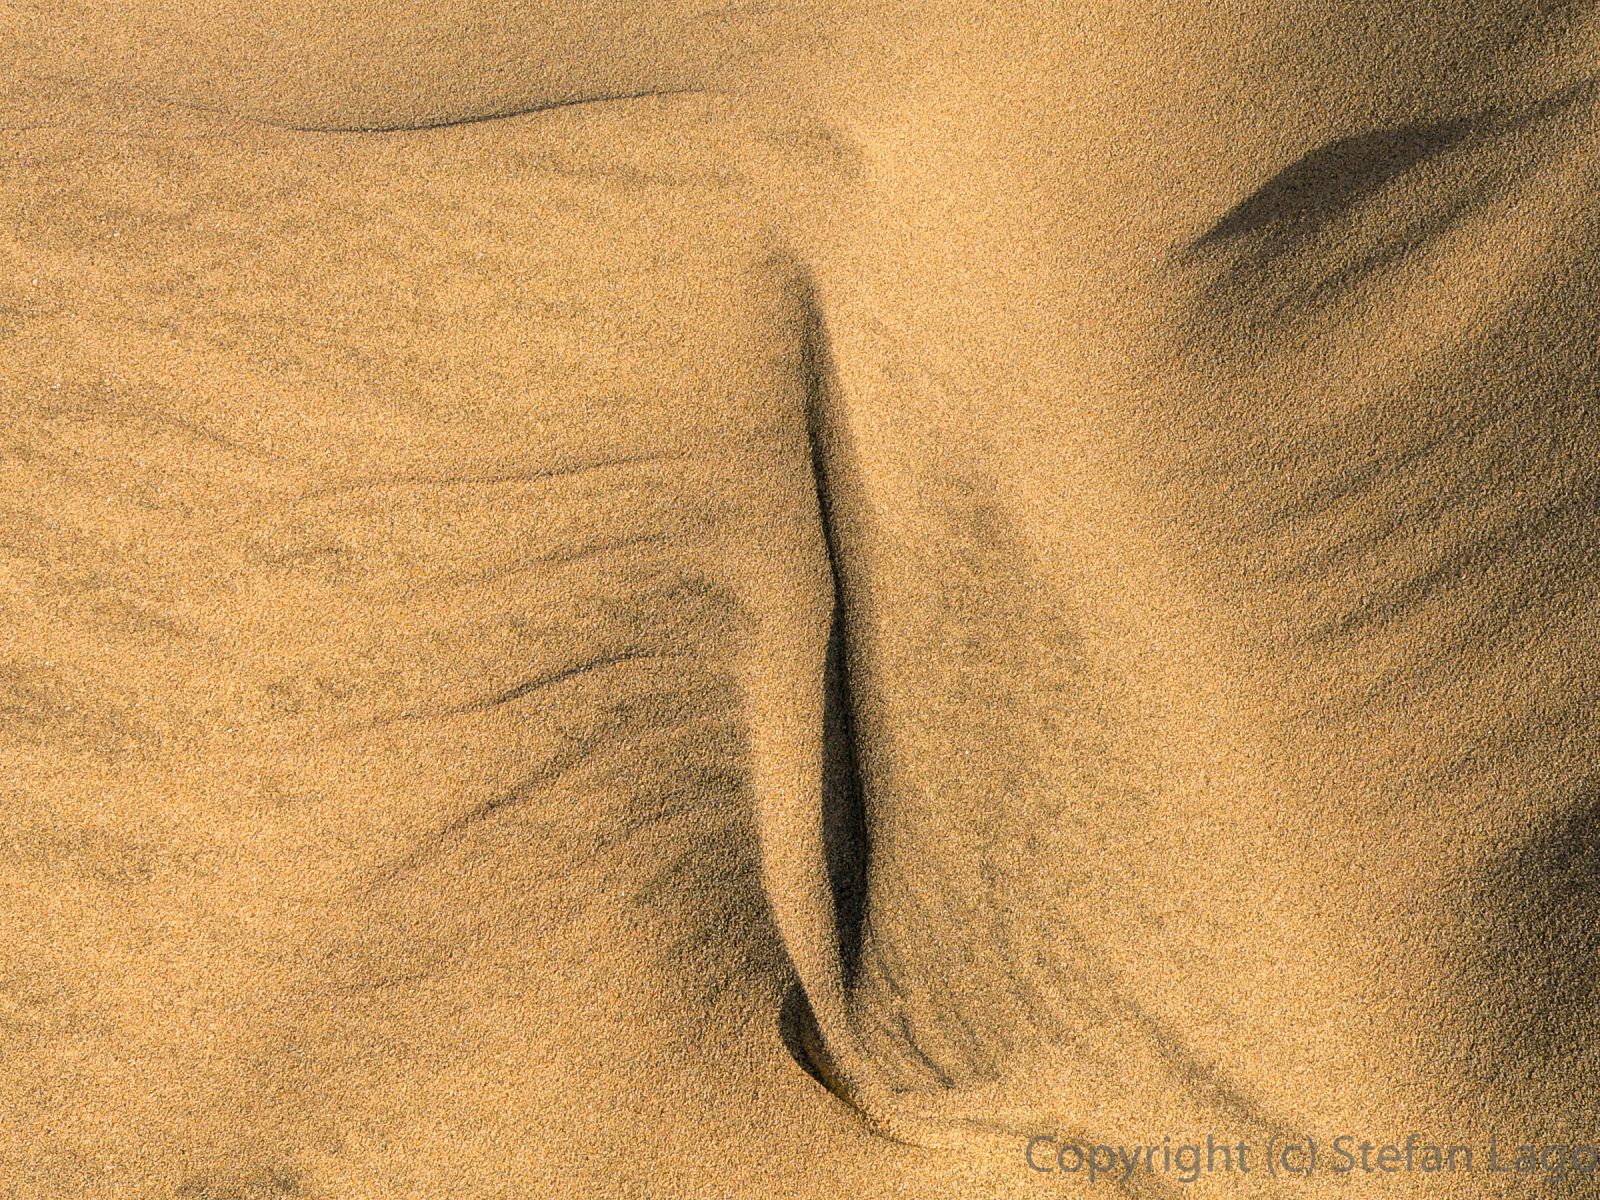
[820,601]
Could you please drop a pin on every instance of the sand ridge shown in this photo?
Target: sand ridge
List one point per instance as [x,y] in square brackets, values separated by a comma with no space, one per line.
[1039,568]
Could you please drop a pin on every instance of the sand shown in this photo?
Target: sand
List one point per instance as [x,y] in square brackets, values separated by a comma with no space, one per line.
[806,601]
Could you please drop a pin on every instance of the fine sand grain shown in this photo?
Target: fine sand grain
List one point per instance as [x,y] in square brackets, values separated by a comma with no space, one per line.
[702,603]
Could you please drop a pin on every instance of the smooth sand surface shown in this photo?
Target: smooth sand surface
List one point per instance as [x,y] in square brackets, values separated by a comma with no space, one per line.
[713,603]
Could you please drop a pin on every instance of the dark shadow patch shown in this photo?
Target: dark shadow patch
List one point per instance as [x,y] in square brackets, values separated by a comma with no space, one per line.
[797,1025]
[1456,568]
[1346,213]
[1528,977]
[1303,197]
[846,840]
[844,818]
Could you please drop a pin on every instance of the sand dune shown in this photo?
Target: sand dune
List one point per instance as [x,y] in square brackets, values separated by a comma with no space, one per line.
[805,601]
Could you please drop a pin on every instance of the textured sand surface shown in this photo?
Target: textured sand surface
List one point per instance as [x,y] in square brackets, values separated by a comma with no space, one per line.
[697,602]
